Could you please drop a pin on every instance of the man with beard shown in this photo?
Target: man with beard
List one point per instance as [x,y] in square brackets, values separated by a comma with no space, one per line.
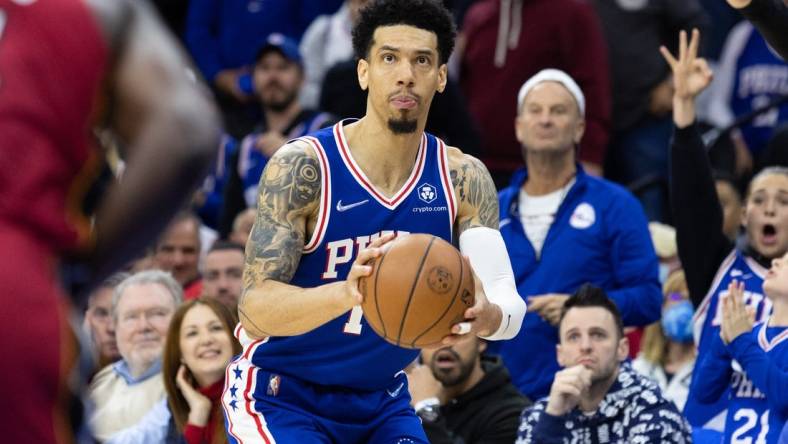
[222,270]
[463,396]
[598,397]
[278,77]
[328,203]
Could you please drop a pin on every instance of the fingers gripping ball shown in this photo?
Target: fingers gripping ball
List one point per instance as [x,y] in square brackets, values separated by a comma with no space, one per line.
[418,289]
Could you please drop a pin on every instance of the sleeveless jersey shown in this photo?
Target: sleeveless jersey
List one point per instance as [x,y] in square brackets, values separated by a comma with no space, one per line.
[749,417]
[52,63]
[346,352]
[708,316]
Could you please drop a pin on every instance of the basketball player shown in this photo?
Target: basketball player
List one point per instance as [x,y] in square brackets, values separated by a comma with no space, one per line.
[65,64]
[710,260]
[311,370]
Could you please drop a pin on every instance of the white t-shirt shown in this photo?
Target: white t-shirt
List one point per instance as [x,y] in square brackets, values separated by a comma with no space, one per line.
[537,213]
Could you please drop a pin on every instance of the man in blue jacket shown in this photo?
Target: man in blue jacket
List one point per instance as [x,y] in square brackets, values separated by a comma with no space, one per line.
[564,228]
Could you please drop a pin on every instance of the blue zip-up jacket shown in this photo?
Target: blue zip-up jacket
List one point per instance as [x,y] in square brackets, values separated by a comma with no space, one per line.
[600,235]
[224,34]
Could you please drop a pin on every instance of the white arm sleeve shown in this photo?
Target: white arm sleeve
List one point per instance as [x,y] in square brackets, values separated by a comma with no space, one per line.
[489,259]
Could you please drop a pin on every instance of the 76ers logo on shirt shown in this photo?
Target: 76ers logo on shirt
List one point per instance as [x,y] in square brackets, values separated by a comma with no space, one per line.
[427,193]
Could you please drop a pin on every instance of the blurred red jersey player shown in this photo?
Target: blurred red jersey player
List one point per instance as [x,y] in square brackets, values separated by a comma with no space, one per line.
[65,67]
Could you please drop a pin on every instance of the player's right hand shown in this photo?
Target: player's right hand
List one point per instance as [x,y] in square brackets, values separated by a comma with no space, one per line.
[360,267]
[569,385]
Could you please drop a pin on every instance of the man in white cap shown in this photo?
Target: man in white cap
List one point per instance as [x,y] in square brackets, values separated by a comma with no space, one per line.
[564,228]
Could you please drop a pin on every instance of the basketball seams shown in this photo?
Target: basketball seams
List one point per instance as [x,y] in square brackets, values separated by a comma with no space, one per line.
[413,289]
[375,289]
[448,307]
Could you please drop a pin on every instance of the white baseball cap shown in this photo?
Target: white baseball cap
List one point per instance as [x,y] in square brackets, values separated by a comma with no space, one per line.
[553,75]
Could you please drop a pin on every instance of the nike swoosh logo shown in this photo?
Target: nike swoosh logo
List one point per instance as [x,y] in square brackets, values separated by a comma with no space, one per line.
[342,208]
[394,393]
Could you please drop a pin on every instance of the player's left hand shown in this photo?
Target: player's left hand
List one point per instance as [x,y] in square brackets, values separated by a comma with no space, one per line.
[737,318]
[548,306]
[483,319]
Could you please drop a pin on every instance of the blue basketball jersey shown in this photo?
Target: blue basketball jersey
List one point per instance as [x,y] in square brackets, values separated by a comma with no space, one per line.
[749,417]
[346,352]
[708,316]
[761,77]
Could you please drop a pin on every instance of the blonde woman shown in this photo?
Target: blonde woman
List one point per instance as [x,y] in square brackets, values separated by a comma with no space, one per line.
[668,353]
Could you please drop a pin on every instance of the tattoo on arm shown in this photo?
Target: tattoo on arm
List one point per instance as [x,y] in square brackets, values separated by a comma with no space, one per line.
[476,194]
[289,190]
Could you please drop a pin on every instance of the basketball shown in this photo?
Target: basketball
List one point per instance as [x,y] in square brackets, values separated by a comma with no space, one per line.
[419,288]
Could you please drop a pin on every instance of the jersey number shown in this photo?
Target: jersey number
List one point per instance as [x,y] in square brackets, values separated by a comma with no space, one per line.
[751,417]
[353,324]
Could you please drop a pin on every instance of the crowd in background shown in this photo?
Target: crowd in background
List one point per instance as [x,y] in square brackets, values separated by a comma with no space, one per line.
[697,157]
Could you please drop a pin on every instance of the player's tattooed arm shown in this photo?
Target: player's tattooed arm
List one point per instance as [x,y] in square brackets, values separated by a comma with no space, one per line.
[475,191]
[289,192]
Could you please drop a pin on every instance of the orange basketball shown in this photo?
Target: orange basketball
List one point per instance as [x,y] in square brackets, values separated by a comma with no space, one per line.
[418,289]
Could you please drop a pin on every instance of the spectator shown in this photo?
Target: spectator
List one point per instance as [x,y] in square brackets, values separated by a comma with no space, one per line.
[200,345]
[597,397]
[98,321]
[278,79]
[463,396]
[222,272]
[242,226]
[325,43]
[731,204]
[709,259]
[563,228]
[198,348]
[668,354]
[223,37]
[634,31]
[664,239]
[178,252]
[741,85]
[208,201]
[507,42]
[771,19]
[757,405]
[122,393]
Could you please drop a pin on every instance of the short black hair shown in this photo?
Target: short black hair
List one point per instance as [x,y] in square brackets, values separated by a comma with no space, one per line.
[223,245]
[429,15]
[591,296]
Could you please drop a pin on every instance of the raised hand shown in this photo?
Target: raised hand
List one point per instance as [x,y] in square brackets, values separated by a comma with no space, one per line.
[737,318]
[691,75]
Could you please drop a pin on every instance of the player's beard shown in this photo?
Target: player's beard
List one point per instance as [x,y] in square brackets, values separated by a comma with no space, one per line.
[403,125]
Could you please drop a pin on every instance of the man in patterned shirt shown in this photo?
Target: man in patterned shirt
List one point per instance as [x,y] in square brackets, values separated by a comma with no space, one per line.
[596,397]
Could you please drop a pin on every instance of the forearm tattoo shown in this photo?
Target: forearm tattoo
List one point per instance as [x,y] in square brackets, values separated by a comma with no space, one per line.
[289,187]
[475,188]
